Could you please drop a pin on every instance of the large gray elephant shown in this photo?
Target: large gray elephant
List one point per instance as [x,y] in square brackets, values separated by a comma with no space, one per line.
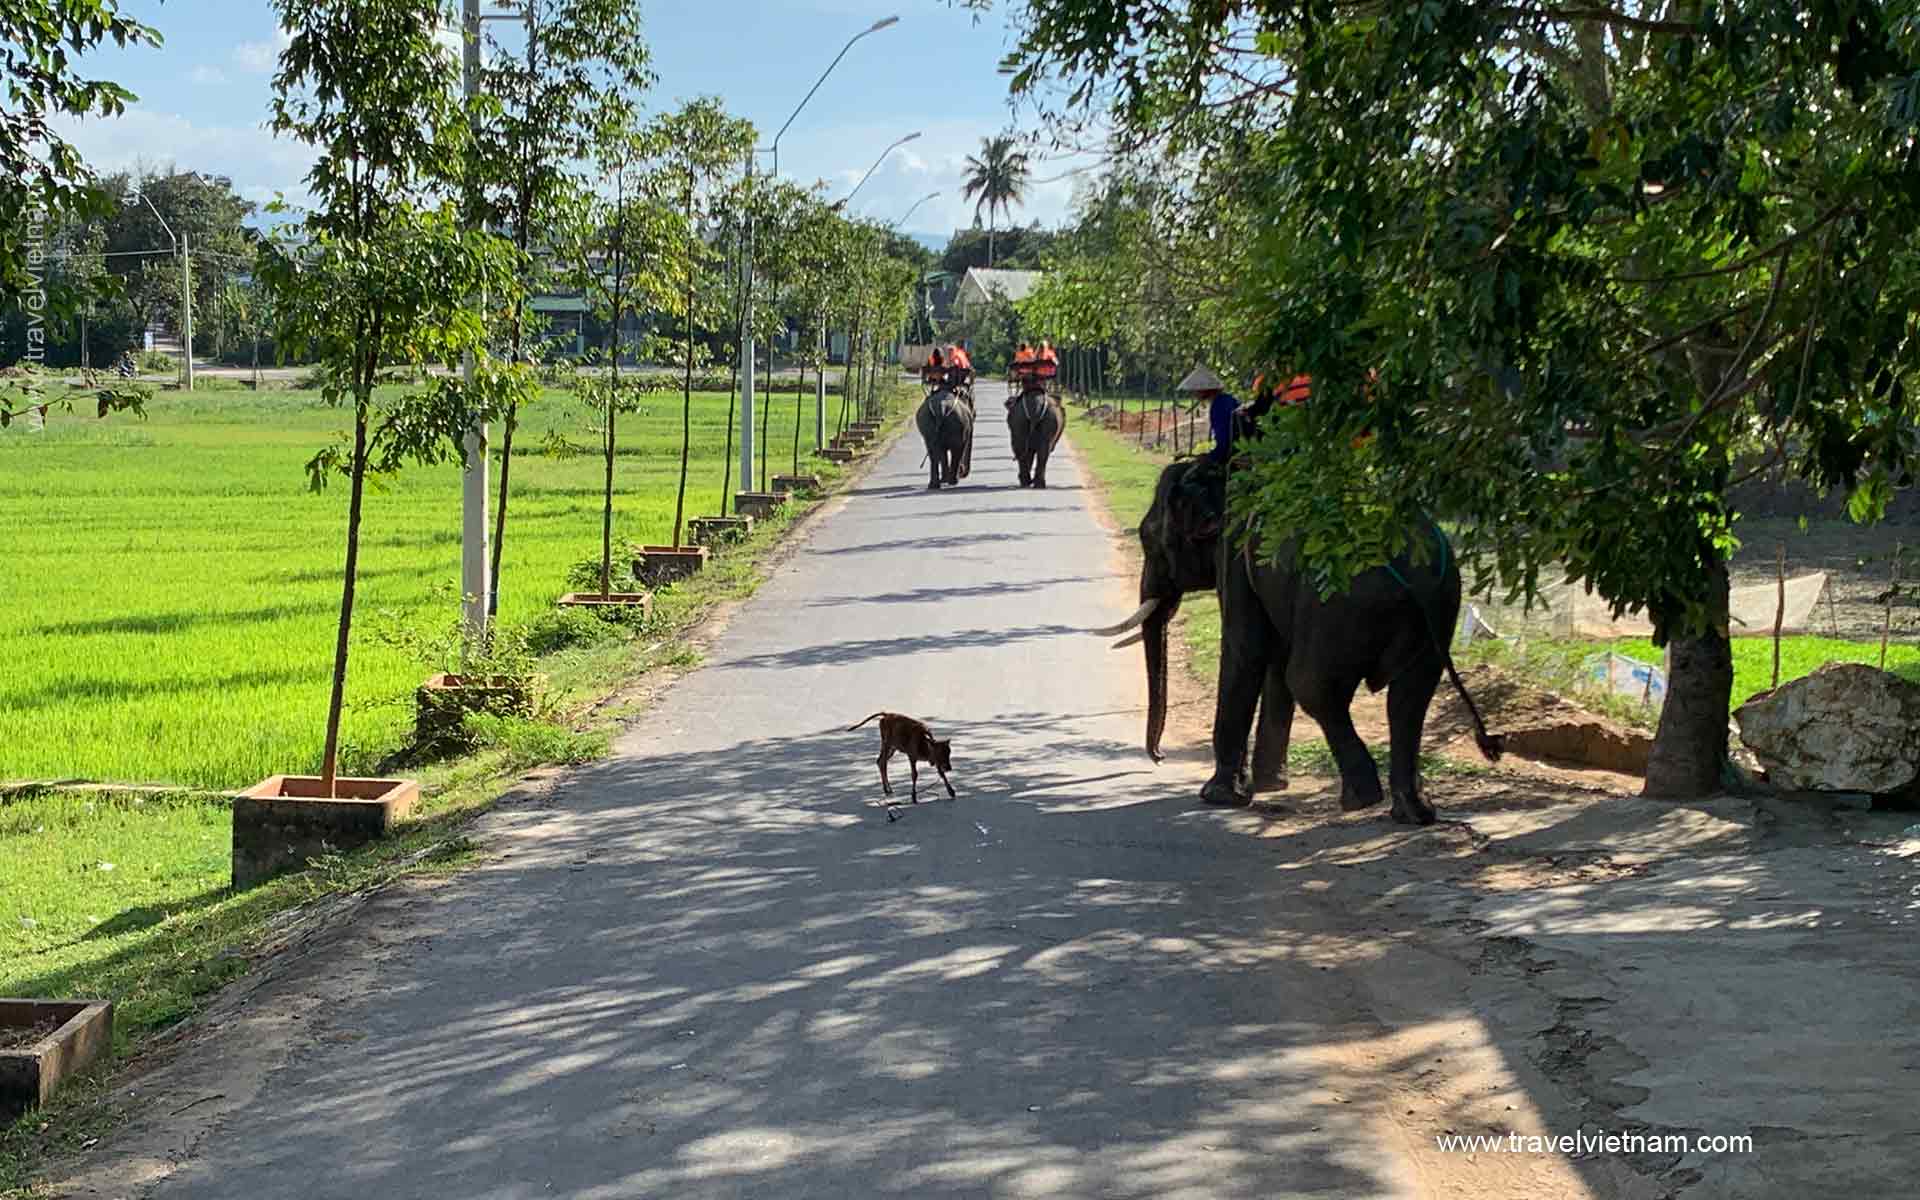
[1035,420]
[1281,644]
[946,425]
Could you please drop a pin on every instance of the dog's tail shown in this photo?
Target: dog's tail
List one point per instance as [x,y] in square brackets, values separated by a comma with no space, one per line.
[851,728]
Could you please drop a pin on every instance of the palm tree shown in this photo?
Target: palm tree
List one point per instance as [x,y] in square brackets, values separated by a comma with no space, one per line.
[996,180]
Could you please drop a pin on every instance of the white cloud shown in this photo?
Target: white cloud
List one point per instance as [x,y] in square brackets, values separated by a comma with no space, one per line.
[258,163]
[207,74]
[261,58]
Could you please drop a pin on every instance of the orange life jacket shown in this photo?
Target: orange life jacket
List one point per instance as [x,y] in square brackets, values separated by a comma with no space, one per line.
[960,359]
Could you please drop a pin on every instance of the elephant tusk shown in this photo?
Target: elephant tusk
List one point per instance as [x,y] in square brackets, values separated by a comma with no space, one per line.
[1135,621]
[1132,639]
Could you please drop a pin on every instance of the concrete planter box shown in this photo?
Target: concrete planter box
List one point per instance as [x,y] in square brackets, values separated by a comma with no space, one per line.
[659,565]
[796,483]
[715,531]
[442,702]
[870,428]
[282,821]
[761,506]
[611,602]
[837,454]
[42,1042]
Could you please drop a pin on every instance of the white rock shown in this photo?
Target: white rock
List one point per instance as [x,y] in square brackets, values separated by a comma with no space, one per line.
[1847,727]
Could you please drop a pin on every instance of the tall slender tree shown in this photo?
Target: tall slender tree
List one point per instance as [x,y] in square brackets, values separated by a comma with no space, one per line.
[578,67]
[378,274]
[697,144]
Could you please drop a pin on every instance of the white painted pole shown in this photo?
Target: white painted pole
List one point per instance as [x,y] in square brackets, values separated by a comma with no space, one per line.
[820,387]
[186,304]
[475,564]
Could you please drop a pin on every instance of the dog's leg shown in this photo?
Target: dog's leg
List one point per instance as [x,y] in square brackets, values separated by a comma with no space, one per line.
[951,794]
[913,764]
[886,786]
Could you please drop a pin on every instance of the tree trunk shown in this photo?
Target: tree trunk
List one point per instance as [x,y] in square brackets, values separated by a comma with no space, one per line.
[606,514]
[330,761]
[1690,748]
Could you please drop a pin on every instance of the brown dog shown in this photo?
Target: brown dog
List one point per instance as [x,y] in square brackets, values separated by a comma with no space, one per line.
[913,739]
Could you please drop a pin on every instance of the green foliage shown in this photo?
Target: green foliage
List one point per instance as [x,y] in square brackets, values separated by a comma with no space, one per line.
[566,628]
[532,743]
[27,396]
[43,182]
[1576,271]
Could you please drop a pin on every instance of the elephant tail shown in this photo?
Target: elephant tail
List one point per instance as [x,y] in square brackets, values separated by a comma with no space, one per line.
[1491,745]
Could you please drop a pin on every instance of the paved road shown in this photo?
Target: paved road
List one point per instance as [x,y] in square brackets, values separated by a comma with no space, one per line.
[710,966]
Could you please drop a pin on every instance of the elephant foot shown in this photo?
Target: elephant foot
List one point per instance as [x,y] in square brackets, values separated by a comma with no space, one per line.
[1354,799]
[1413,810]
[1270,781]
[1224,794]
[933,485]
[1026,481]
[1040,482]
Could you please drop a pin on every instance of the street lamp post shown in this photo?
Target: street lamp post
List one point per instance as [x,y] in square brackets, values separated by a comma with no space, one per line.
[186,290]
[746,271]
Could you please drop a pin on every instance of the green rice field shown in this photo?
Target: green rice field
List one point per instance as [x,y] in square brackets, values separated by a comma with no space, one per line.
[171,587]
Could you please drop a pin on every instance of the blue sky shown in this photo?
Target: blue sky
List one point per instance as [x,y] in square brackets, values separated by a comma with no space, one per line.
[203,95]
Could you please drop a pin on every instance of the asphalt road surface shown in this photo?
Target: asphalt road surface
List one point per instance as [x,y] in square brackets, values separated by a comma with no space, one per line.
[710,966]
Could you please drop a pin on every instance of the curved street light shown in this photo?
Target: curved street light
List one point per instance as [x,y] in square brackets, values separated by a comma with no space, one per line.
[746,269]
[876,165]
[916,206]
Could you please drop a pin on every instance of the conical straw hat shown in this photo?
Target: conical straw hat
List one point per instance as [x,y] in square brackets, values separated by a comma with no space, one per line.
[1202,380]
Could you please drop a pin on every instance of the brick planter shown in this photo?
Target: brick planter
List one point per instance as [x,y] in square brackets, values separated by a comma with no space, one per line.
[796,483]
[715,531]
[837,454]
[659,565]
[66,1036]
[612,602]
[442,703]
[282,821]
[870,428]
[761,506]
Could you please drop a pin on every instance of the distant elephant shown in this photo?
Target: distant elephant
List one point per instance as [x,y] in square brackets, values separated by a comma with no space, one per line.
[946,425]
[1281,643]
[1035,420]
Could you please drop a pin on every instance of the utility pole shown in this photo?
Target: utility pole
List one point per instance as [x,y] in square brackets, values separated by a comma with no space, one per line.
[186,306]
[747,475]
[475,580]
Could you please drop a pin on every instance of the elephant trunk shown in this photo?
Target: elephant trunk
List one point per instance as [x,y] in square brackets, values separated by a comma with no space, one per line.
[1154,637]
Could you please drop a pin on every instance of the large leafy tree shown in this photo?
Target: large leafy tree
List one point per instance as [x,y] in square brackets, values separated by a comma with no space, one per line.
[996,180]
[579,68]
[43,182]
[378,274]
[1578,268]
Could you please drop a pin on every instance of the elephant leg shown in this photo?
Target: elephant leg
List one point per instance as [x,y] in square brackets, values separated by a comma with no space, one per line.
[1330,703]
[1271,736]
[1408,697]
[1025,458]
[1040,465]
[1246,651]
